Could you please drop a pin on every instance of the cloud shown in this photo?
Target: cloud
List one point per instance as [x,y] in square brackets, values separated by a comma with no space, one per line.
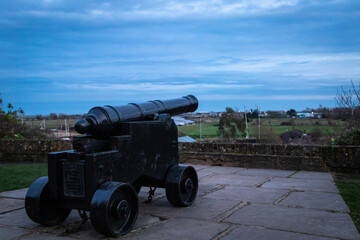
[212,8]
[115,11]
[326,66]
[162,87]
[267,97]
[272,71]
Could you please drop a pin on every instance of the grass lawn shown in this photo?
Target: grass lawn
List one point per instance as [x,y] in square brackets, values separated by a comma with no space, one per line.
[325,130]
[210,129]
[350,192]
[16,176]
[51,124]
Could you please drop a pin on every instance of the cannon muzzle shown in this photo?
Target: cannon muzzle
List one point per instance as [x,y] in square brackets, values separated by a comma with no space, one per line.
[103,122]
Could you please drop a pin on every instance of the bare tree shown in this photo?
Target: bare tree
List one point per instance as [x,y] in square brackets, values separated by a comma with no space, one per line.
[349,101]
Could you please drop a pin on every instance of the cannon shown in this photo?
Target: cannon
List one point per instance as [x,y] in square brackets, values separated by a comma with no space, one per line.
[123,149]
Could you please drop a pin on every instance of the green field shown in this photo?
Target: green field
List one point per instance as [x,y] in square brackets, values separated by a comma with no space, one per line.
[16,176]
[51,124]
[210,129]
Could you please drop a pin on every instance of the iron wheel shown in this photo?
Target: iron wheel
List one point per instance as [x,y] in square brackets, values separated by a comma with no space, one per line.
[40,208]
[181,185]
[114,208]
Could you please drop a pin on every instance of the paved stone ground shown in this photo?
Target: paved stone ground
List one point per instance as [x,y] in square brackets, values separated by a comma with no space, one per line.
[232,203]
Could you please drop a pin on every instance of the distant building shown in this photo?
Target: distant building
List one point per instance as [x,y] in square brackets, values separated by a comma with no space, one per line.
[309,115]
[200,115]
[180,121]
[263,114]
[186,139]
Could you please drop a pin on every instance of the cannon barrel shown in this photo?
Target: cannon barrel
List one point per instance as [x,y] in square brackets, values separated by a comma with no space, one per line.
[102,122]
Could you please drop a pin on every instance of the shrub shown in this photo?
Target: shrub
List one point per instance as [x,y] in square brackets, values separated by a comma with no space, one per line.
[349,137]
[316,134]
[268,135]
[12,128]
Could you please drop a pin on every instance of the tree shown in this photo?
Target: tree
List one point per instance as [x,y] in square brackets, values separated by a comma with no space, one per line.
[348,101]
[12,128]
[53,116]
[62,116]
[230,121]
[253,114]
[291,113]
[275,114]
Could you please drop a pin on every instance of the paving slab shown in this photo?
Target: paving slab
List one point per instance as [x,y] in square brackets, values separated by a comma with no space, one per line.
[206,188]
[20,193]
[234,179]
[46,236]
[203,189]
[204,174]
[266,172]
[217,169]
[202,208]
[144,194]
[313,175]
[246,194]
[316,200]
[12,232]
[199,167]
[9,204]
[232,203]
[88,232]
[144,220]
[302,184]
[17,218]
[306,221]
[182,228]
[256,233]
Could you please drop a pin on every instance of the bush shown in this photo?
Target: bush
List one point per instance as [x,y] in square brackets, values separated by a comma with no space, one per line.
[12,128]
[268,135]
[349,137]
[230,122]
[316,134]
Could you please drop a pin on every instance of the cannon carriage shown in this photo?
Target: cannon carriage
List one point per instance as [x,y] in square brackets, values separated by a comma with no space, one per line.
[123,148]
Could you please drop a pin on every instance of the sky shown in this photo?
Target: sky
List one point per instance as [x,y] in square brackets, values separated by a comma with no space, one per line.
[69,56]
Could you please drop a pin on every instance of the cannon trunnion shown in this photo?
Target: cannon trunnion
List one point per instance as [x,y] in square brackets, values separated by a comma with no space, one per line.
[104,175]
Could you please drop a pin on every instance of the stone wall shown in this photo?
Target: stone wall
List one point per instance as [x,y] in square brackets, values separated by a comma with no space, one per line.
[30,150]
[287,157]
